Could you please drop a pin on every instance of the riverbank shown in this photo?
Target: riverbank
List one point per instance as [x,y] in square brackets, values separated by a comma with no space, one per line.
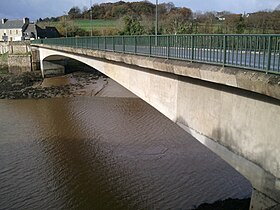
[31,85]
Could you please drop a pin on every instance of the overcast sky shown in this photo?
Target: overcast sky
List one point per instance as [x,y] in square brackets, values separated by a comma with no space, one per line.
[35,9]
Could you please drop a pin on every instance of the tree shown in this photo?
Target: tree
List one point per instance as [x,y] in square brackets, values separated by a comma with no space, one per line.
[74,12]
[178,21]
[235,23]
[132,26]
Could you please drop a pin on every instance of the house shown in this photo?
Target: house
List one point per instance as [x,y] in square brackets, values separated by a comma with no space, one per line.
[12,30]
[18,30]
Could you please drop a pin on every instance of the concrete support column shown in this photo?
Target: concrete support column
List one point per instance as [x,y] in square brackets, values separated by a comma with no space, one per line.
[260,201]
[42,67]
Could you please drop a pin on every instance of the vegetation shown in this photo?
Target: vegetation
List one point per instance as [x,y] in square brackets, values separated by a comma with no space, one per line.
[138,18]
[4,63]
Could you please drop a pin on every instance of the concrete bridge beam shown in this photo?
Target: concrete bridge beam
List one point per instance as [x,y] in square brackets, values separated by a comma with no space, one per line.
[231,118]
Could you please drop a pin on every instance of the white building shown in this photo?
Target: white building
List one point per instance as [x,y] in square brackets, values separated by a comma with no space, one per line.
[13,30]
[18,30]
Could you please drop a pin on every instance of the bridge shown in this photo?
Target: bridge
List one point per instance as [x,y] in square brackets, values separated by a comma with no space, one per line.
[222,89]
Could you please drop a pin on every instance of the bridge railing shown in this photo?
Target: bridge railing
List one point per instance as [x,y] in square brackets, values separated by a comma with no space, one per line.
[255,52]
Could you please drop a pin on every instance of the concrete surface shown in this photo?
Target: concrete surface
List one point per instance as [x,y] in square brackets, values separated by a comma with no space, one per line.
[217,107]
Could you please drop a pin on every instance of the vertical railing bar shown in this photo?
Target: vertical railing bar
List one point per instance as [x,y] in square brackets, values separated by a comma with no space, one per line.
[255,50]
[259,58]
[113,40]
[168,47]
[207,48]
[192,48]
[197,47]
[204,47]
[201,48]
[210,48]
[237,51]
[232,53]
[184,46]
[225,50]
[264,52]
[221,50]
[150,43]
[269,53]
[123,44]
[241,51]
[246,40]
[274,53]
[278,44]
[250,57]
[217,48]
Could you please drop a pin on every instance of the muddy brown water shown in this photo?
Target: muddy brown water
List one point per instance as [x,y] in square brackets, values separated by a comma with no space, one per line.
[105,153]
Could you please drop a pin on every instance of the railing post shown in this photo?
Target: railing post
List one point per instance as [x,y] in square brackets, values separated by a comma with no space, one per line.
[150,45]
[225,50]
[105,43]
[135,45]
[98,45]
[114,44]
[192,47]
[269,53]
[123,44]
[168,46]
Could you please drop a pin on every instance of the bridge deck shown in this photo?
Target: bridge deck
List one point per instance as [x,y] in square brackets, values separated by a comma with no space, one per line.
[255,52]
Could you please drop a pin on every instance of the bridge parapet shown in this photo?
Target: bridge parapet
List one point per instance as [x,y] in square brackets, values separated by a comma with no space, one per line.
[255,52]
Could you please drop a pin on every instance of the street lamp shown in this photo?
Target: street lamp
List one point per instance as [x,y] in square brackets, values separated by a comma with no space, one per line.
[156,23]
[65,23]
[91,33]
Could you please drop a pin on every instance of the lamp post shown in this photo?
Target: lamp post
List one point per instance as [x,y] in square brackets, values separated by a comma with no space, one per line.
[156,23]
[65,23]
[91,33]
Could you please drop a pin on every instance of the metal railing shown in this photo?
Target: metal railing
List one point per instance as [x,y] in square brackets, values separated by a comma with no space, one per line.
[255,52]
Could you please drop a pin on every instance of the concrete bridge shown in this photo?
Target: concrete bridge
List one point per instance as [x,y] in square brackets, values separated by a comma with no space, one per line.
[233,111]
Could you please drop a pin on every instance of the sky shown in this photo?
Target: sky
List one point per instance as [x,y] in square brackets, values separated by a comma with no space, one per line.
[35,9]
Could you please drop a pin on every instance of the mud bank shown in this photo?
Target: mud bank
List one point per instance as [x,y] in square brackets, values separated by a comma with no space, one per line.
[31,85]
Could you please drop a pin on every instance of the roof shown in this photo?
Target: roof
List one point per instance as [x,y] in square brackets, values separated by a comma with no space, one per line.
[49,32]
[31,28]
[10,24]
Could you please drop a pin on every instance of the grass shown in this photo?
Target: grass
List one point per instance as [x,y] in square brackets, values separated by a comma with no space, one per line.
[97,24]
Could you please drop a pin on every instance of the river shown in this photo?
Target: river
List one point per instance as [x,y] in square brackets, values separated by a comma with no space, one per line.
[113,151]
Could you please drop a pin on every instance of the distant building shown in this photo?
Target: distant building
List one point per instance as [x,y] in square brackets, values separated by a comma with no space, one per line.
[18,30]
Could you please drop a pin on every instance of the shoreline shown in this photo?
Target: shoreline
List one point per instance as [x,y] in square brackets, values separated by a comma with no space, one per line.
[32,86]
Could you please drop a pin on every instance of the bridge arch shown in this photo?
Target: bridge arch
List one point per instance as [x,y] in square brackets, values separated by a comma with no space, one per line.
[240,126]
[56,56]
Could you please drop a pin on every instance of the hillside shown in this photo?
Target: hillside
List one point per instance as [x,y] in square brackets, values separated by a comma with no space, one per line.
[135,18]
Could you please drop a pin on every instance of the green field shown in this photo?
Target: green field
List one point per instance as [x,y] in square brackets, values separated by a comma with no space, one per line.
[97,24]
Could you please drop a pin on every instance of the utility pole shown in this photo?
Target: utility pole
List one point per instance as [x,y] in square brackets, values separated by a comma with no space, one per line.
[156,23]
[91,33]
[65,24]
